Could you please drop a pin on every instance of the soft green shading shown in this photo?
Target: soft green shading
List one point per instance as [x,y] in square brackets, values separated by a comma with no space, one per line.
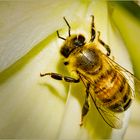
[17,66]
[130,7]
[24,97]
[25,24]
[129,28]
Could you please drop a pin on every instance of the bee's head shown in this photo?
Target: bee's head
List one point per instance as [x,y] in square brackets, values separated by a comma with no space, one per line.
[71,42]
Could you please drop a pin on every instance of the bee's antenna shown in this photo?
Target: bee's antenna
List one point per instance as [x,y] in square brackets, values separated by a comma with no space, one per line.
[67,25]
[60,36]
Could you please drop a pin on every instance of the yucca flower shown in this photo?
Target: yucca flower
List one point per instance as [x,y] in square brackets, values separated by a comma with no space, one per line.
[43,108]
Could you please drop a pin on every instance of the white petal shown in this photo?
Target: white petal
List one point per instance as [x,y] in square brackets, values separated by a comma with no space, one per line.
[35,107]
[25,24]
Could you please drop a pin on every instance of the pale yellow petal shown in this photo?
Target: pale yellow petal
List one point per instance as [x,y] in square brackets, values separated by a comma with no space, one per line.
[35,107]
[24,24]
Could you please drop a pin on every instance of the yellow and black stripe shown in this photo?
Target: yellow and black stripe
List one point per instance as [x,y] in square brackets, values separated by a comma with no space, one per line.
[113,90]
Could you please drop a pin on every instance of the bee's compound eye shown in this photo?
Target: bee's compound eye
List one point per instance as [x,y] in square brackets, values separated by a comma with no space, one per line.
[79,40]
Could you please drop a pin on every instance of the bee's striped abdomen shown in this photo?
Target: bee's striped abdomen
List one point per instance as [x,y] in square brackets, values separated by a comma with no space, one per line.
[113,90]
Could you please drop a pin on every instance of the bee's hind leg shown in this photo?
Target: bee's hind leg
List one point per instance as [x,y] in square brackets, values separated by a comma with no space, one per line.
[85,108]
[104,45]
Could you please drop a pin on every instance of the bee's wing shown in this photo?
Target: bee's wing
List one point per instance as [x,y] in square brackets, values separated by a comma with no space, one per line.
[132,80]
[114,120]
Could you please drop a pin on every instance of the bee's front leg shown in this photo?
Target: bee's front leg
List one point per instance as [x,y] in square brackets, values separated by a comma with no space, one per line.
[57,76]
[85,108]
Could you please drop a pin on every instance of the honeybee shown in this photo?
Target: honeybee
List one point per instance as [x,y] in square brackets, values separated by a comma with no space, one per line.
[106,82]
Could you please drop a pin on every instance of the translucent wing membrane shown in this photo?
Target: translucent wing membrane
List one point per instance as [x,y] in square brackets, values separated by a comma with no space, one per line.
[133,81]
[113,119]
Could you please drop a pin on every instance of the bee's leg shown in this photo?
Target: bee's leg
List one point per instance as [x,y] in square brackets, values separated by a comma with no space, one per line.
[61,77]
[105,45]
[93,33]
[85,108]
